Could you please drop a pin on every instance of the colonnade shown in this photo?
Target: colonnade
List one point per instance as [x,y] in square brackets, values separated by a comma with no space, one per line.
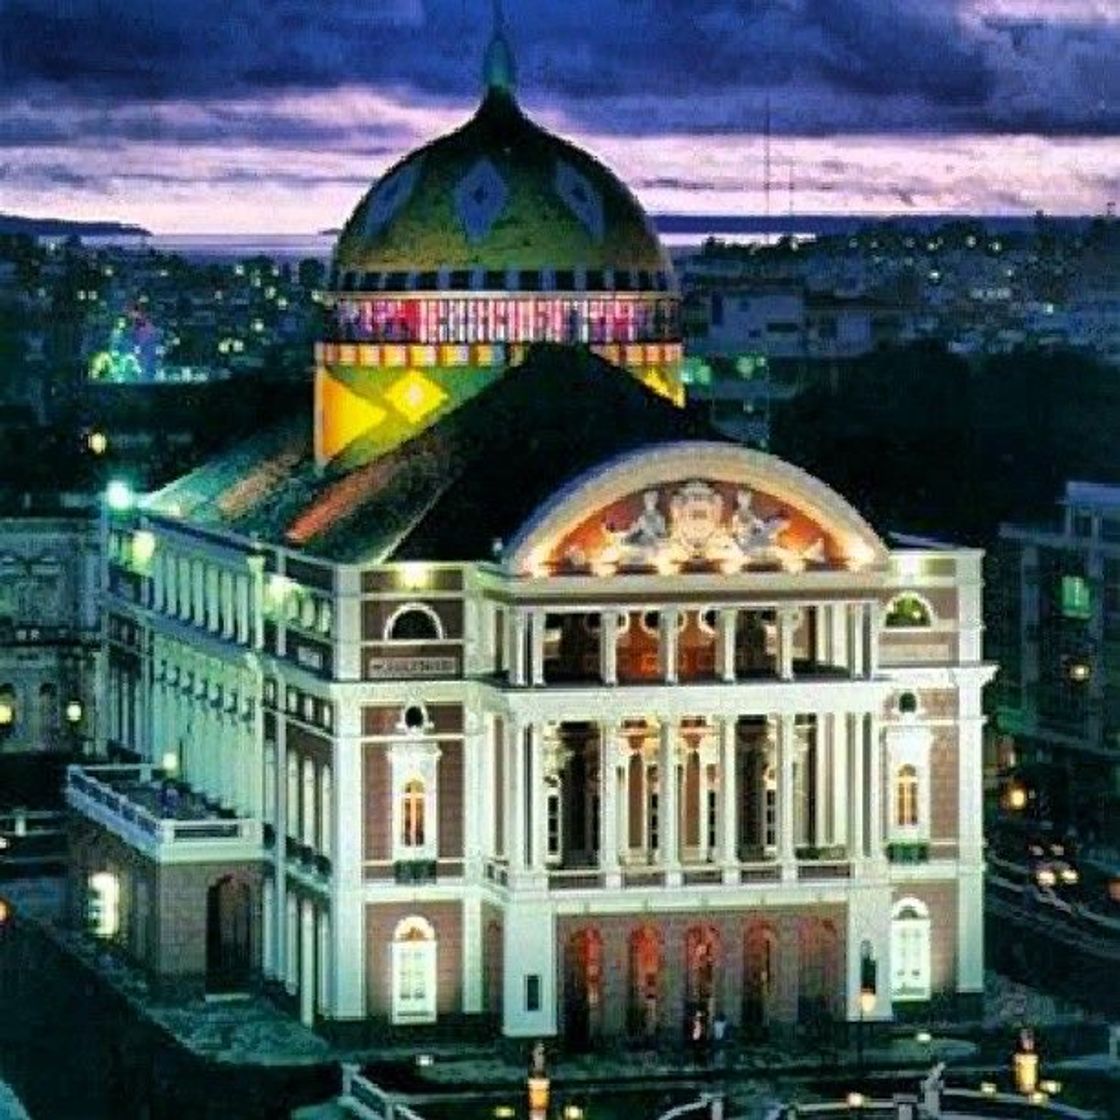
[838,634]
[815,780]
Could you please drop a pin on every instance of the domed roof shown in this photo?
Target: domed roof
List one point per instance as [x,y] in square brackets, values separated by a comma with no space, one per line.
[499,193]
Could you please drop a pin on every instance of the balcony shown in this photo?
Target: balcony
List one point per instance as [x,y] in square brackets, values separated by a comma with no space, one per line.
[159,816]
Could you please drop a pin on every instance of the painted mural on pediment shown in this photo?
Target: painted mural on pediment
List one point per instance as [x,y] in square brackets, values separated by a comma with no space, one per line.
[697,526]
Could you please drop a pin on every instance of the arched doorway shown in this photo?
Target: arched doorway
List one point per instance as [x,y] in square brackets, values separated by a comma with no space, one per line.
[759,961]
[818,975]
[492,969]
[583,988]
[229,961]
[702,964]
[645,983]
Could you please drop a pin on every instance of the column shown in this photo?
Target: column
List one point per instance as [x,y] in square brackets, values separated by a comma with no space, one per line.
[538,801]
[701,805]
[268,903]
[855,786]
[608,805]
[854,642]
[669,803]
[256,593]
[279,857]
[517,627]
[347,903]
[822,633]
[725,644]
[515,795]
[608,646]
[307,963]
[323,979]
[537,625]
[291,946]
[787,745]
[667,647]
[872,613]
[729,822]
[242,592]
[472,954]
[875,783]
[822,800]
[785,643]
[839,771]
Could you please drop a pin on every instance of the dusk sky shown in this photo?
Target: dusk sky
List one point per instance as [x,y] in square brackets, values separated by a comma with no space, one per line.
[276,115]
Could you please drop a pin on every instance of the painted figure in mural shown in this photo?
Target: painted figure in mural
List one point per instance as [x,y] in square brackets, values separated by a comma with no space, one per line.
[649,529]
[754,534]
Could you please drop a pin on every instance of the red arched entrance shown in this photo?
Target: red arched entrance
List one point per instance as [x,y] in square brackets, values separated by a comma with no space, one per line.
[759,963]
[583,988]
[229,961]
[701,948]
[818,974]
[645,983]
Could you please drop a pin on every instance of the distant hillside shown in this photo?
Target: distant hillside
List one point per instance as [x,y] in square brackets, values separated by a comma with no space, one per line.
[59,227]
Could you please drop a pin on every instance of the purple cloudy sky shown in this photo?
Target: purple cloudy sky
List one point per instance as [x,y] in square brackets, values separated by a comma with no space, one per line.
[274,115]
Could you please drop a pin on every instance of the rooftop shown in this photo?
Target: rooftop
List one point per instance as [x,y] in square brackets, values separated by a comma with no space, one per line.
[472,478]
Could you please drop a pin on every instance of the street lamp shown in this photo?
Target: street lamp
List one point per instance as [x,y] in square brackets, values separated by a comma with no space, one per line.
[119,496]
[1025,1063]
[74,712]
[868,987]
[866,1007]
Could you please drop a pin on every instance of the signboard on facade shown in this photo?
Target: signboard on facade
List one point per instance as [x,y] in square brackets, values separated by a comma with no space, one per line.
[402,668]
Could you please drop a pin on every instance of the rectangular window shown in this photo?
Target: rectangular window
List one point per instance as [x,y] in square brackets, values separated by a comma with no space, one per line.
[532,992]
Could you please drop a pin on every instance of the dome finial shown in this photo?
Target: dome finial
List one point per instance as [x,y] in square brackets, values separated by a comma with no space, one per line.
[499,71]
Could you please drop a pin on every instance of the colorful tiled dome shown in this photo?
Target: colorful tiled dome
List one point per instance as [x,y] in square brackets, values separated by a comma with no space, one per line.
[499,194]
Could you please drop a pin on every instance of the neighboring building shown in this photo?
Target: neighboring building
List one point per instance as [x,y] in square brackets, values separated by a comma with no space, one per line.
[507,691]
[49,632]
[1055,630]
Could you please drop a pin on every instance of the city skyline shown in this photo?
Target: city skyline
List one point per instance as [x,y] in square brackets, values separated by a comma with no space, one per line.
[275,118]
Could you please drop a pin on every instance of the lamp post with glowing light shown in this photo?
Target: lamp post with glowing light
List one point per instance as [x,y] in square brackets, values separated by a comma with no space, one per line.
[538,1085]
[868,986]
[1025,1063]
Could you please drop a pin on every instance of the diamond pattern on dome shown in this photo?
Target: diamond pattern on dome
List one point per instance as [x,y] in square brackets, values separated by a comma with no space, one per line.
[581,198]
[391,194]
[480,198]
[415,397]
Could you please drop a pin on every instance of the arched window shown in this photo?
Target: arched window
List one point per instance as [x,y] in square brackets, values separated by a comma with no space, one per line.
[414,972]
[906,797]
[104,904]
[414,622]
[412,814]
[910,950]
[909,610]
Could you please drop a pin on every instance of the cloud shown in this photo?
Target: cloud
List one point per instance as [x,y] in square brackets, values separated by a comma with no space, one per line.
[170,107]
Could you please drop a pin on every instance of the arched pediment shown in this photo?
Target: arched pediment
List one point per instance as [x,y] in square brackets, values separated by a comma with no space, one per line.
[694,506]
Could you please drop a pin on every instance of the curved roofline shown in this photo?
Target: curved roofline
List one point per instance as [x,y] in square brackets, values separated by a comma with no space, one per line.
[498,96]
[656,464]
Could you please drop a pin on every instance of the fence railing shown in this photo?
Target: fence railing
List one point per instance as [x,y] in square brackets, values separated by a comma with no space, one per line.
[365,1100]
[950,1102]
[85,790]
[707,1107]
